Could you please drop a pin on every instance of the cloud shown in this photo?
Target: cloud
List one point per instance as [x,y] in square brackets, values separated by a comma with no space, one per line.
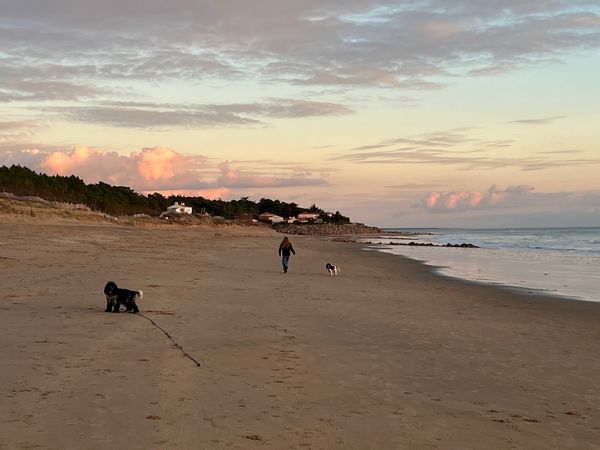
[62,163]
[25,90]
[159,163]
[542,121]
[150,115]
[455,147]
[466,200]
[512,206]
[161,169]
[286,108]
[151,168]
[497,207]
[232,178]
[12,130]
[68,49]
[436,139]
[562,152]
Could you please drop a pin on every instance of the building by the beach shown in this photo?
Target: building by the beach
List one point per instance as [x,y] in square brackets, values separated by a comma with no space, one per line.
[271,218]
[307,217]
[179,208]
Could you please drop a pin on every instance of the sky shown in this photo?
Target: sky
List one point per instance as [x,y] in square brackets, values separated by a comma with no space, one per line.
[432,113]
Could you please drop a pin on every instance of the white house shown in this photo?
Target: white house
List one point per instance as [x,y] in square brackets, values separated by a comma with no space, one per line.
[179,208]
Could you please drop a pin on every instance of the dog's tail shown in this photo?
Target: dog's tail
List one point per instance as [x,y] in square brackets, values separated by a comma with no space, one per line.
[140,293]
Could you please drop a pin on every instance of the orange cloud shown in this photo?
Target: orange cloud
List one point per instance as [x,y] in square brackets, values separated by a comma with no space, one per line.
[158,163]
[157,169]
[152,168]
[62,163]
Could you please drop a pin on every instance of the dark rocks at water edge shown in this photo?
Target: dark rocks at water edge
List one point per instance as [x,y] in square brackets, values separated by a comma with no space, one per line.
[425,244]
[327,229]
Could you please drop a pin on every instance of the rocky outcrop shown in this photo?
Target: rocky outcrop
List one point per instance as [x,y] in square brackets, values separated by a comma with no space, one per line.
[425,244]
[326,229]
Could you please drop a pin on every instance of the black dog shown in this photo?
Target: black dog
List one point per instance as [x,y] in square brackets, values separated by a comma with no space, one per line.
[115,297]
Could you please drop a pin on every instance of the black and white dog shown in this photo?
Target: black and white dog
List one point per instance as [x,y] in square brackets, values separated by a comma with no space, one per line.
[115,297]
[332,269]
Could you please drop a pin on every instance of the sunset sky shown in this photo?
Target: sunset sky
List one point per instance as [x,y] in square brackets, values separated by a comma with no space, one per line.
[425,113]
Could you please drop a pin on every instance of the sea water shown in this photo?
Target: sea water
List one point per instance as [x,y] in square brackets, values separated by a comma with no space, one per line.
[556,261]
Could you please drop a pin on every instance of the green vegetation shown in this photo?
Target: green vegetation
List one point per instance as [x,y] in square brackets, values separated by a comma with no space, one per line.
[122,200]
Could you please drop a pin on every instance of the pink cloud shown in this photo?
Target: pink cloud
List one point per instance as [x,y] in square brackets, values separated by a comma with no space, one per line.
[159,169]
[153,168]
[92,165]
[464,200]
[61,163]
[159,163]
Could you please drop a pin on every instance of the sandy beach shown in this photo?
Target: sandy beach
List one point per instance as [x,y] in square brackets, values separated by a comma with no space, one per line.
[385,356]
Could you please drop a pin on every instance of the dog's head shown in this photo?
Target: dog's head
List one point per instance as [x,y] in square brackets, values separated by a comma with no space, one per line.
[110,288]
[329,266]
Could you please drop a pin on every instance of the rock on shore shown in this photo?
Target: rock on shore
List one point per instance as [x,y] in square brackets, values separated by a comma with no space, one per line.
[326,229]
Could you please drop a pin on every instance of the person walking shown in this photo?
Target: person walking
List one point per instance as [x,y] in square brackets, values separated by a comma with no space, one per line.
[285,248]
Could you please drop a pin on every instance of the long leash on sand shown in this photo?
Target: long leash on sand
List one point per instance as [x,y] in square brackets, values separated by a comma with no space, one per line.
[186,354]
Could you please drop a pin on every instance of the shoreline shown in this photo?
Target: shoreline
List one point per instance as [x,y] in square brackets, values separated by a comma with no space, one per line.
[504,263]
[386,355]
[437,270]
[525,291]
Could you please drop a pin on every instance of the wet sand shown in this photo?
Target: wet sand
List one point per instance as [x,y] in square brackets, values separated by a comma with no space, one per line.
[387,355]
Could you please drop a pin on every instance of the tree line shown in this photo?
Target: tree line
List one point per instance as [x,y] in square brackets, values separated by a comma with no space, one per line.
[122,200]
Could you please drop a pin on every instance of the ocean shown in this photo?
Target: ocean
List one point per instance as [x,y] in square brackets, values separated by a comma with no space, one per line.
[552,261]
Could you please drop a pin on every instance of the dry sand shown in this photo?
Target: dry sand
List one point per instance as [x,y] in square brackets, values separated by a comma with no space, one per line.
[385,356]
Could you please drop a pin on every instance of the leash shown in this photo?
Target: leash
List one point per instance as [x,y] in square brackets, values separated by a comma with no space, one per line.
[186,354]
